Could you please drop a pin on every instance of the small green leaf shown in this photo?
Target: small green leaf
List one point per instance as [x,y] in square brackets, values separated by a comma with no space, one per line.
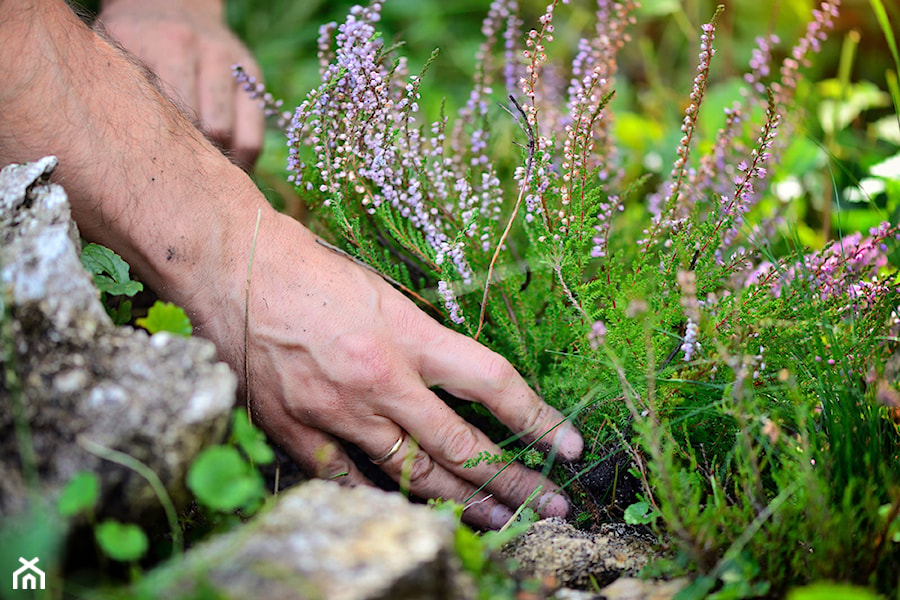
[121,541]
[223,480]
[834,591]
[80,494]
[659,8]
[120,314]
[639,513]
[527,516]
[250,439]
[110,272]
[165,316]
[471,550]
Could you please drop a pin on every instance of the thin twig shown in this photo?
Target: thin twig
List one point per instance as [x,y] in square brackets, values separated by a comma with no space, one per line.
[569,294]
[529,163]
[247,319]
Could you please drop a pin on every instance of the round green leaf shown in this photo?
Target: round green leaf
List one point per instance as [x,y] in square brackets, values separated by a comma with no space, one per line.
[121,541]
[639,513]
[223,480]
[165,316]
[80,494]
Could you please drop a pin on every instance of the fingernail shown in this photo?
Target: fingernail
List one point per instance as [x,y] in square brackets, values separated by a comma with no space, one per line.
[553,504]
[500,516]
[569,443]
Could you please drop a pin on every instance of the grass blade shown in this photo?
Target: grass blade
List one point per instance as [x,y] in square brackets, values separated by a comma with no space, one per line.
[885,23]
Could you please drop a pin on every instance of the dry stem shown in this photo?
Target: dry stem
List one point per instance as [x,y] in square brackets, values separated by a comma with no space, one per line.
[529,163]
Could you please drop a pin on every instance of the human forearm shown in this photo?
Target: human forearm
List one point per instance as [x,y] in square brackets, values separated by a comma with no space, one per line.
[139,176]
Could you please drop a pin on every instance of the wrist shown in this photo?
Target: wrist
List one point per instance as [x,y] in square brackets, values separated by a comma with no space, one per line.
[140,178]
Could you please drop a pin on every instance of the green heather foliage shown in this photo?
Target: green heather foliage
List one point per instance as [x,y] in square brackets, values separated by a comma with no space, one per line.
[682,312]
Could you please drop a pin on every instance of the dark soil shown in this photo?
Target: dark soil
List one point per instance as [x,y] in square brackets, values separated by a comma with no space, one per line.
[604,488]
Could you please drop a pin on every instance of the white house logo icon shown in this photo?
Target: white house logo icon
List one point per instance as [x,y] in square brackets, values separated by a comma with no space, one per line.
[28,575]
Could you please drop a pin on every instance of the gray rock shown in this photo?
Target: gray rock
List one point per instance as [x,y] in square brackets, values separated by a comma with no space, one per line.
[630,588]
[321,540]
[553,550]
[75,380]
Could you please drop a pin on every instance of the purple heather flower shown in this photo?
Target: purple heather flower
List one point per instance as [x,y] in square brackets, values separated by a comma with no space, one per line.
[760,63]
[605,217]
[847,269]
[257,91]
[450,302]
[733,208]
[361,124]
[597,335]
[816,31]
[667,201]
[690,344]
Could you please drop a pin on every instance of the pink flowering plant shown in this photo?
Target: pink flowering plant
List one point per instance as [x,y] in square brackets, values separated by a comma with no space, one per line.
[749,379]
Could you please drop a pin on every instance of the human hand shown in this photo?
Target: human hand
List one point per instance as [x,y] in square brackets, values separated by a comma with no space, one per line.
[336,353]
[192,52]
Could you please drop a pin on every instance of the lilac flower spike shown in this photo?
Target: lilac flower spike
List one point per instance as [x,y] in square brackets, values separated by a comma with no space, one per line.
[361,125]
[816,32]
[680,167]
[257,91]
[607,210]
[450,302]
[735,207]
[760,63]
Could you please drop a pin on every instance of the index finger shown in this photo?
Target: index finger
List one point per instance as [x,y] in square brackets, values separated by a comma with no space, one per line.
[468,370]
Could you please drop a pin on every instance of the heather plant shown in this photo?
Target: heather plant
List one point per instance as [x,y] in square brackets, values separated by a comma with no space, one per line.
[672,312]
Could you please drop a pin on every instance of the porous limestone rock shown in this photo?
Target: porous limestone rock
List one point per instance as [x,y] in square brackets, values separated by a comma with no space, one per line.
[553,550]
[321,540]
[628,588]
[631,588]
[73,381]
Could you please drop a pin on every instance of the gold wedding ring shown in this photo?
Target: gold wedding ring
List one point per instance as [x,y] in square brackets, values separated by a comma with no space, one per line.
[394,450]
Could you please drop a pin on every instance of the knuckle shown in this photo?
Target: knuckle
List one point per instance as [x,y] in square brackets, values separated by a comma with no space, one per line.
[219,53]
[460,444]
[497,373]
[180,36]
[422,466]
[330,463]
[534,423]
